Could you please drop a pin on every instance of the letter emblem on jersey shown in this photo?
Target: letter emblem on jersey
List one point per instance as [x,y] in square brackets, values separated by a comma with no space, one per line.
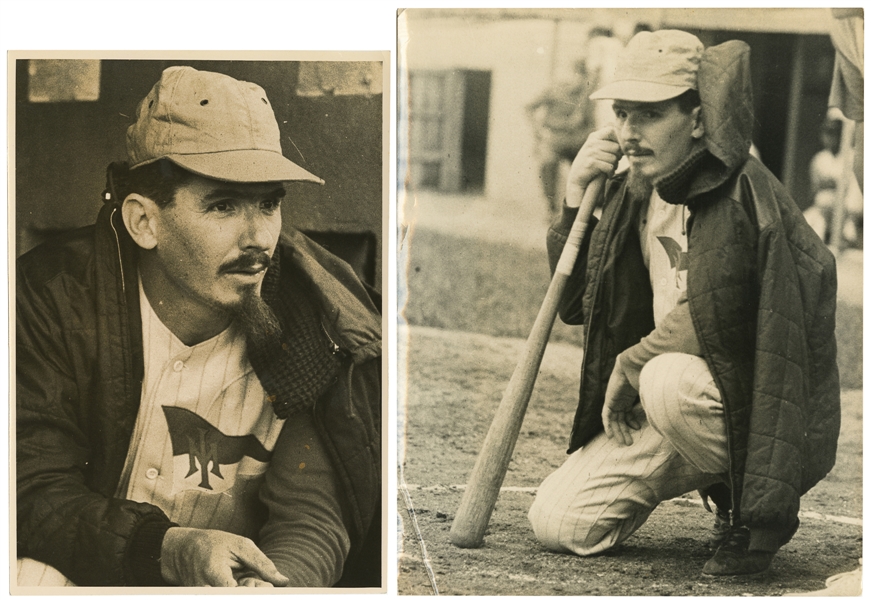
[206,445]
[677,258]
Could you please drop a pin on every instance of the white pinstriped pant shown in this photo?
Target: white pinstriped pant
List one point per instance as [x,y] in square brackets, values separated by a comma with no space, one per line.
[31,572]
[604,491]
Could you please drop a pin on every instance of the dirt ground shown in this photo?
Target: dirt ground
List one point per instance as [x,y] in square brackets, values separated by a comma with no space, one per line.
[449,401]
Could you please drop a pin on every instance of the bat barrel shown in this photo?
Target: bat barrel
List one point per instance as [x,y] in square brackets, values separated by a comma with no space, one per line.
[490,468]
[479,498]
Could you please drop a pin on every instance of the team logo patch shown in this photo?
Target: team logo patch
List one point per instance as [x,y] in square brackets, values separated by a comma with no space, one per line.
[205,445]
[676,256]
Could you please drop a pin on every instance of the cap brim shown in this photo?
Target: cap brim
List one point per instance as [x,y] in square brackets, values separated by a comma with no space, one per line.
[638,91]
[243,166]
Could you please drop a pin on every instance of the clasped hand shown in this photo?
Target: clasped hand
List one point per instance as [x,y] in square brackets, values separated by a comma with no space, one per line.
[598,156]
[212,558]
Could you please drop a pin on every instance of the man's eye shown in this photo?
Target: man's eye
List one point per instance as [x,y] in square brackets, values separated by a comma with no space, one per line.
[271,205]
[650,114]
[221,207]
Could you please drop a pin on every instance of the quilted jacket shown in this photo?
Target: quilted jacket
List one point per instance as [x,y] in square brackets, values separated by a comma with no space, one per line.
[79,378]
[761,289]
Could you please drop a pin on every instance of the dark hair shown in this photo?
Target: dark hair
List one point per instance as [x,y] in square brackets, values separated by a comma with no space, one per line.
[689,100]
[600,32]
[158,181]
[639,27]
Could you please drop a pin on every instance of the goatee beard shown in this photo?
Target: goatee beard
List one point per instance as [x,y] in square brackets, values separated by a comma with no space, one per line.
[257,320]
[638,186]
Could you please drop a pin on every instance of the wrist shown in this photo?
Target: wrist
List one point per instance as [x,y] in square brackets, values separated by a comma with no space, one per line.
[144,556]
[169,549]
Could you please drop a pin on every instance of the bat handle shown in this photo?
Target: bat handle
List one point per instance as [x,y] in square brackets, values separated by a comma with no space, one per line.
[579,228]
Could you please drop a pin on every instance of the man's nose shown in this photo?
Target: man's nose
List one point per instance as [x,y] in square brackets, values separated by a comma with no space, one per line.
[257,231]
[629,129]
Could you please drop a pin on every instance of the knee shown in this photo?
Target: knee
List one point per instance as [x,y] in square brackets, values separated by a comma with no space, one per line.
[667,379]
[561,528]
[543,515]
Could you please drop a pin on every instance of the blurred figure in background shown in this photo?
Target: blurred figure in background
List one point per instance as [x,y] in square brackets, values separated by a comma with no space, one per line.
[848,82]
[827,169]
[563,118]
[602,52]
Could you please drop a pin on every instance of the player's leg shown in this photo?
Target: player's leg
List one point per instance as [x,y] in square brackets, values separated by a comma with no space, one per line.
[683,405]
[604,491]
[34,573]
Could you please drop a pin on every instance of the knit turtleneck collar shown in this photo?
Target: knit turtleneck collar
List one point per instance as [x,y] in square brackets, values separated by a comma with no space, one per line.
[701,172]
[297,364]
[675,186]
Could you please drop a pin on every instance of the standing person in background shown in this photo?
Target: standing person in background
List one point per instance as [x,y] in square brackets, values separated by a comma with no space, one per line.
[827,169]
[563,118]
[603,49]
[848,82]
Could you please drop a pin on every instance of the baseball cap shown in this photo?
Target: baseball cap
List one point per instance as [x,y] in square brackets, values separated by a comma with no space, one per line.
[212,125]
[655,66]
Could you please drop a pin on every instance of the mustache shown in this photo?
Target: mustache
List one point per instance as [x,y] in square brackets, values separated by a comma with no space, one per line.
[248,260]
[631,148]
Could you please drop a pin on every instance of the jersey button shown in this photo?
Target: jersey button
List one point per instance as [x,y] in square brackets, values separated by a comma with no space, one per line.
[178,366]
[151,473]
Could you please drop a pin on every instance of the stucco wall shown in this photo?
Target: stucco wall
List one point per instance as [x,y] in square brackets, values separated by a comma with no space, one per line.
[520,55]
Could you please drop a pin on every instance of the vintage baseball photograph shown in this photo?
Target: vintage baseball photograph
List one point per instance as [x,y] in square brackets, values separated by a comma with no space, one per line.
[199,386]
[630,255]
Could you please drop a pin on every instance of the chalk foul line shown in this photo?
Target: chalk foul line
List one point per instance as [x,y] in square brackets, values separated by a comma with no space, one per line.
[804,514]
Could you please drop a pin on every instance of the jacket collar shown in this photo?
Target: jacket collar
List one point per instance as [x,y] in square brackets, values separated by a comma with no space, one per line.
[727,115]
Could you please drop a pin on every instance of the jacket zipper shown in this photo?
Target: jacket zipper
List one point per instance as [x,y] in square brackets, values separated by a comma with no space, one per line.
[726,412]
[118,249]
[333,346]
[336,349]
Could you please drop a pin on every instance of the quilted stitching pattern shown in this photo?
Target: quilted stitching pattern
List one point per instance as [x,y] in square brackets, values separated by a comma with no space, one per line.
[762,293]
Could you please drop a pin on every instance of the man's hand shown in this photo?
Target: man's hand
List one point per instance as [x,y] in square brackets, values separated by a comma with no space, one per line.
[208,557]
[617,414]
[253,581]
[599,155]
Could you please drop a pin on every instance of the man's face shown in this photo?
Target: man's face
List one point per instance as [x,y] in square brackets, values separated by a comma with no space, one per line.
[656,137]
[214,241]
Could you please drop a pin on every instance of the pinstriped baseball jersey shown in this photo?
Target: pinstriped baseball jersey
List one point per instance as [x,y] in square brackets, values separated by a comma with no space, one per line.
[664,248]
[204,433]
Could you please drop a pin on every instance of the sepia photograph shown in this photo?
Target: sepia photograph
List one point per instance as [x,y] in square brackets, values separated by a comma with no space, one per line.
[200,396]
[630,256]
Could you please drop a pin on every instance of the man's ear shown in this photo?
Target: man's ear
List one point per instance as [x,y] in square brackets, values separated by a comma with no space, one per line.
[698,127]
[139,214]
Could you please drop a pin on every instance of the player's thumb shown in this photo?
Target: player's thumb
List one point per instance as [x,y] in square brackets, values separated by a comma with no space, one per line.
[265,568]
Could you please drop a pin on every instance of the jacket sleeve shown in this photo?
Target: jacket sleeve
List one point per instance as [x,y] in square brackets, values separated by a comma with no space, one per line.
[674,334]
[349,422]
[305,534]
[795,414]
[91,539]
[571,305]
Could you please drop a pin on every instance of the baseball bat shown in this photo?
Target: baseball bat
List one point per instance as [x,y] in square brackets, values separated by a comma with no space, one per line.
[479,499]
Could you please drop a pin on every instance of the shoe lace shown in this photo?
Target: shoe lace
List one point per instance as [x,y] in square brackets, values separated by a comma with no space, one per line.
[736,537]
